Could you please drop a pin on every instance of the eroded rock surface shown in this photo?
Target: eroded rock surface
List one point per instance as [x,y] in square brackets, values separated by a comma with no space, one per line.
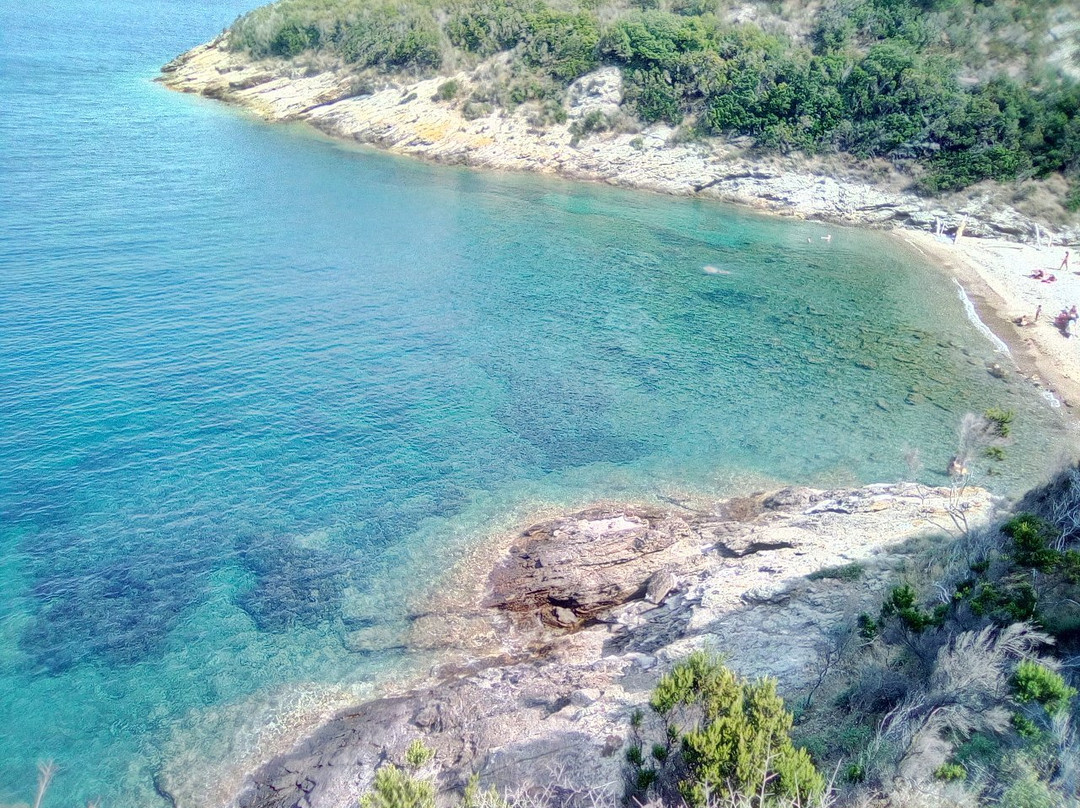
[409,117]
[575,642]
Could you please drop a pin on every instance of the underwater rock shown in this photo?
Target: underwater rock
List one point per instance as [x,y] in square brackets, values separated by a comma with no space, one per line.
[293,586]
[118,614]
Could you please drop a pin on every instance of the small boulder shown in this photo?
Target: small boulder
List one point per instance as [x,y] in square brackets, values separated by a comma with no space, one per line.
[659,586]
[563,617]
[584,697]
[599,91]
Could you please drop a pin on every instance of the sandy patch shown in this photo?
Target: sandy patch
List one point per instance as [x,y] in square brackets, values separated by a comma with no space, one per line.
[997,276]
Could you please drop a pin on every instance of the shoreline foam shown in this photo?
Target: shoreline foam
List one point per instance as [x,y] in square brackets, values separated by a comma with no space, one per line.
[995,274]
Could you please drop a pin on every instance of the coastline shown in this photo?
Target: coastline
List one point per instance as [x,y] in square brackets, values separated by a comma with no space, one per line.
[559,630]
[990,261]
[408,121]
[996,275]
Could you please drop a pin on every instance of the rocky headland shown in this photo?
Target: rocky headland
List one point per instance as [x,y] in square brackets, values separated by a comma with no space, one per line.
[411,117]
[548,650]
[418,118]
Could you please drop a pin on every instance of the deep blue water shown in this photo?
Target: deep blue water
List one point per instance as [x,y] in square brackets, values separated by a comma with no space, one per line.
[257,389]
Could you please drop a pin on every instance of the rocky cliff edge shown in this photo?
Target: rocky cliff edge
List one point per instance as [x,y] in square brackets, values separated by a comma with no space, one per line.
[414,118]
[548,651]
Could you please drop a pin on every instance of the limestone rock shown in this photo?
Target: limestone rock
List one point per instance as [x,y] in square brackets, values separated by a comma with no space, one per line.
[540,701]
[570,570]
[599,91]
[660,585]
[407,117]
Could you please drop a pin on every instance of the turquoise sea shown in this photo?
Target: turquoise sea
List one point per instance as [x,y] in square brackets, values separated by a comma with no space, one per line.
[258,390]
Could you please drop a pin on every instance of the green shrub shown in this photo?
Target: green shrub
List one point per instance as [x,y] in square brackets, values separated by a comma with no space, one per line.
[1035,682]
[1070,566]
[418,754]
[1072,200]
[653,96]
[448,90]
[879,77]
[693,8]
[981,749]
[293,39]
[742,741]
[486,27]
[1028,792]
[950,771]
[562,44]
[1009,602]
[868,626]
[1024,726]
[901,603]
[394,788]
[855,773]
[1031,542]
[1000,421]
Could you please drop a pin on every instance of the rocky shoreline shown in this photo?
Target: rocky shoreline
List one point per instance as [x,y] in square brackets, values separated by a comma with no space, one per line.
[570,628]
[546,652]
[411,118]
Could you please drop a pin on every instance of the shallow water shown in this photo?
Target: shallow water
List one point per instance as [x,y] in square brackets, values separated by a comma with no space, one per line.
[256,389]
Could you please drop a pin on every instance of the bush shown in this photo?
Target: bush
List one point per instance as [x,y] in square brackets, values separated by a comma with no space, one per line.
[879,79]
[562,44]
[740,739]
[1035,682]
[1008,602]
[395,788]
[448,90]
[1031,542]
[1000,420]
[901,603]
[485,27]
[950,771]
[1028,792]
[693,8]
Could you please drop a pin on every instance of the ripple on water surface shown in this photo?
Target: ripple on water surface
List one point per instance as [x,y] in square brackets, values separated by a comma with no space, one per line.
[258,391]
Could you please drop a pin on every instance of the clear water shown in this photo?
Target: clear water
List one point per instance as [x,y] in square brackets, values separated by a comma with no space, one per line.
[257,389]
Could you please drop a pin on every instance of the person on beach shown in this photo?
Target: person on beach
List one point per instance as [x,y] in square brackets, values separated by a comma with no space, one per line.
[1064,262]
[1037,274]
[1065,319]
[1024,320]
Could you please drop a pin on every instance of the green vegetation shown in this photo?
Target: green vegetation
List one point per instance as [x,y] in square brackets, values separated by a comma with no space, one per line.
[950,771]
[396,787]
[951,686]
[956,90]
[1035,682]
[902,604]
[847,572]
[448,90]
[722,735]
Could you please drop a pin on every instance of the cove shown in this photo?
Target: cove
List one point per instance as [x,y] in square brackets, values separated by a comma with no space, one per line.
[258,391]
